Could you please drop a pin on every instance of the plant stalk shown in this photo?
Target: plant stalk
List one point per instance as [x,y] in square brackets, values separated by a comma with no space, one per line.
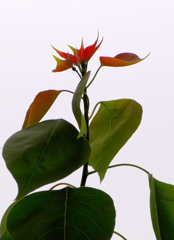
[86,110]
[121,165]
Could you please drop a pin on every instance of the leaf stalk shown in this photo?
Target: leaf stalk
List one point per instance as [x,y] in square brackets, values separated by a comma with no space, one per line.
[123,165]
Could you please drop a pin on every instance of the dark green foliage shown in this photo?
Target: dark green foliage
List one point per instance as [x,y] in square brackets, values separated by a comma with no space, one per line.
[67,214]
[162,208]
[44,153]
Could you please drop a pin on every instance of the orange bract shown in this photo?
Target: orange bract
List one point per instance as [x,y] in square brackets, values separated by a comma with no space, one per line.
[84,54]
[80,56]
[121,60]
[63,65]
[39,107]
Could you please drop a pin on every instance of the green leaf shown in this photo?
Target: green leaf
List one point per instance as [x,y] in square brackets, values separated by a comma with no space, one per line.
[39,107]
[76,105]
[162,208]
[110,129]
[66,214]
[3,226]
[6,236]
[44,153]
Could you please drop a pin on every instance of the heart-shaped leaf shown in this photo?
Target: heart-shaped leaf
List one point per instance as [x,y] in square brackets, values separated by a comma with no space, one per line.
[66,214]
[39,107]
[44,153]
[162,208]
[76,104]
[110,129]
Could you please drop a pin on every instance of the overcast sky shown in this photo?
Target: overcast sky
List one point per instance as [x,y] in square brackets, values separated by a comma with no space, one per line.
[28,28]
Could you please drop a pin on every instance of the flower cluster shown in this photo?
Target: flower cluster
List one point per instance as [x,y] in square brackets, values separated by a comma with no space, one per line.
[80,58]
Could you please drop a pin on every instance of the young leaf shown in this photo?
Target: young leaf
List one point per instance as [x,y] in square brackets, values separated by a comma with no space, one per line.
[44,153]
[66,214]
[110,129]
[76,105]
[162,208]
[121,60]
[39,107]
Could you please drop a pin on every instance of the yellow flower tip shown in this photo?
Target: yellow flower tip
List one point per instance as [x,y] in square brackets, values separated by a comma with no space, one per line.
[52,46]
[63,65]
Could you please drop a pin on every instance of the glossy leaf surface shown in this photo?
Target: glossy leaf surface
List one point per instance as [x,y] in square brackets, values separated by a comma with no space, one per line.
[162,208]
[39,107]
[76,104]
[44,153]
[66,214]
[6,236]
[110,129]
[3,227]
[121,60]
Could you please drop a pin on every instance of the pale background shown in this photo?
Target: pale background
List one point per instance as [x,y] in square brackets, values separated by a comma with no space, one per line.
[28,28]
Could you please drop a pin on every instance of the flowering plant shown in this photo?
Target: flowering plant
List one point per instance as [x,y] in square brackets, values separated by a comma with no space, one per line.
[47,151]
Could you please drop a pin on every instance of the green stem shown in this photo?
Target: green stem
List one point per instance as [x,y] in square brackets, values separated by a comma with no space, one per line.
[120,235]
[86,110]
[94,110]
[84,175]
[122,165]
[67,91]
[75,70]
[59,184]
[94,76]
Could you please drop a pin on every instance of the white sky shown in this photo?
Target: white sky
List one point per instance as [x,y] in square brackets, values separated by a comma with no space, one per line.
[27,28]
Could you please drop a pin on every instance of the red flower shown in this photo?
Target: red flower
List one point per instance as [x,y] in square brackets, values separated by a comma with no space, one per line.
[80,56]
[84,54]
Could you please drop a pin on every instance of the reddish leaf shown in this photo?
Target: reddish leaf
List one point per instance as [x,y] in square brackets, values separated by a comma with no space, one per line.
[121,60]
[39,107]
[63,65]
[84,54]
